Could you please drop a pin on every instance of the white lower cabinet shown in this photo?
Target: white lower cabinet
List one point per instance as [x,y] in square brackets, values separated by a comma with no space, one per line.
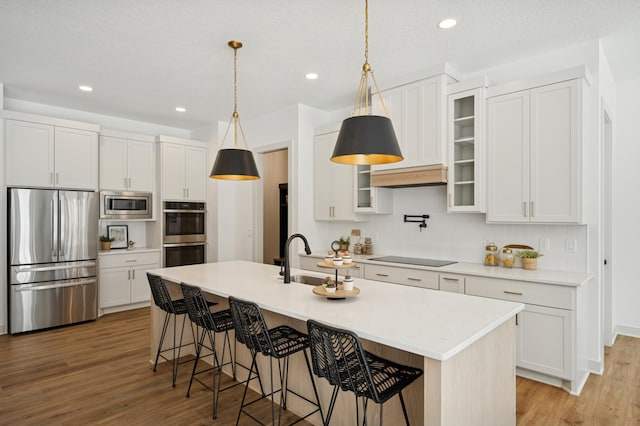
[452,283]
[543,340]
[546,331]
[123,279]
[405,276]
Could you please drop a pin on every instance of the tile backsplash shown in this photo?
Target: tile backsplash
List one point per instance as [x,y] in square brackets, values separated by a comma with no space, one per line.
[462,236]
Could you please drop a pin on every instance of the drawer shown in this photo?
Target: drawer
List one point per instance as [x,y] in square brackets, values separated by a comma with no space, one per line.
[405,276]
[311,264]
[453,283]
[521,291]
[129,259]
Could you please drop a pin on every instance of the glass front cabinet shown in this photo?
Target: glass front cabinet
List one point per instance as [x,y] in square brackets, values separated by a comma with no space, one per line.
[465,142]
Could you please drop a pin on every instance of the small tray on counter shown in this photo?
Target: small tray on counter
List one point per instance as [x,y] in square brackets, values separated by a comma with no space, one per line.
[340,293]
[332,266]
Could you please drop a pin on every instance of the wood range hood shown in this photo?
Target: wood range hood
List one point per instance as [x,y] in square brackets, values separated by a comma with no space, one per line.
[411,176]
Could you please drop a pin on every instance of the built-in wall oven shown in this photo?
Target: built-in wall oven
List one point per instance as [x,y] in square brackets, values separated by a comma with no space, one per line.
[184,233]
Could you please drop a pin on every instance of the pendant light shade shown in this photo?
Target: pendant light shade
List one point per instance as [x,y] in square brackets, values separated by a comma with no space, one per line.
[234,163]
[365,138]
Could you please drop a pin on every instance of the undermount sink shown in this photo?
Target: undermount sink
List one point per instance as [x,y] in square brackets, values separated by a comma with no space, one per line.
[306,279]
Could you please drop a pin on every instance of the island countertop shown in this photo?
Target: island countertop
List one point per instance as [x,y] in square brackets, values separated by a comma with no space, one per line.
[429,323]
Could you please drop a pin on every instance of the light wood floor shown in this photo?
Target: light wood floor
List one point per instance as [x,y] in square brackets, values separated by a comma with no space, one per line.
[98,373]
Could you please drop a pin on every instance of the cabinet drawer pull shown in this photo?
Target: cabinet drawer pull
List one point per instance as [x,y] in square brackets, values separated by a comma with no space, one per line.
[131,261]
[516,293]
[414,279]
[450,279]
[382,275]
[531,210]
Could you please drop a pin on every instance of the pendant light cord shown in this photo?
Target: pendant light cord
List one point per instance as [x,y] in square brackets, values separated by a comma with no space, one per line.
[235,117]
[362,105]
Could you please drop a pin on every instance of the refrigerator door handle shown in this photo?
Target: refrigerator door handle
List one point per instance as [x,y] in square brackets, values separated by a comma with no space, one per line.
[53,230]
[37,287]
[54,268]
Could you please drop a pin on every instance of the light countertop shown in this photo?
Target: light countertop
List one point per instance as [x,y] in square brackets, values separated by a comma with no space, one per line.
[545,276]
[430,323]
[127,251]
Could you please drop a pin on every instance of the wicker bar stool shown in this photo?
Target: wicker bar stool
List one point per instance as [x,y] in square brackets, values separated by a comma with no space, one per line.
[172,308]
[210,323]
[279,343]
[338,356]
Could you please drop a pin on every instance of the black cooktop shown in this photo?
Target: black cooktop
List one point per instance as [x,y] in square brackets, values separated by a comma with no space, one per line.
[413,261]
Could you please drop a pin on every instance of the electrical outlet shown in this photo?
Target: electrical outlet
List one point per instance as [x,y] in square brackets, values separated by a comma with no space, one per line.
[572,246]
[545,244]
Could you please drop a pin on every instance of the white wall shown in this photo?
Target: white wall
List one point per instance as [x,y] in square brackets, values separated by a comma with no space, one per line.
[209,134]
[290,128]
[626,203]
[3,226]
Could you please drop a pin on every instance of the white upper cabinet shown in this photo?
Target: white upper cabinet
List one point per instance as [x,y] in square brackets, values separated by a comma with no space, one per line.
[42,154]
[417,111]
[534,154]
[183,171]
[127,164]
[333,182]
[465,136]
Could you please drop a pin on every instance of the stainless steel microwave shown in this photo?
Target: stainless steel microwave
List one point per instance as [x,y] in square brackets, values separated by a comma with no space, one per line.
[126,205]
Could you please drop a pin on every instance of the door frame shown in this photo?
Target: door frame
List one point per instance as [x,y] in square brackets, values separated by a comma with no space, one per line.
[258,196]
[606,206]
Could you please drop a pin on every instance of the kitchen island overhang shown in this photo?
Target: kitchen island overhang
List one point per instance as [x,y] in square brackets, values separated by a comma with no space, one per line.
[465,344]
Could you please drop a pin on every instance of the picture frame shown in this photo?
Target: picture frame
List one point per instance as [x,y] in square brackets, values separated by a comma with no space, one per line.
[120,235]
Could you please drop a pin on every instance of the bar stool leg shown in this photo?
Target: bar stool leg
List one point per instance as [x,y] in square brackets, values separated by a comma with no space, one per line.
[244,395]
[404,408]
[332,403]
[164,331]
[313,384]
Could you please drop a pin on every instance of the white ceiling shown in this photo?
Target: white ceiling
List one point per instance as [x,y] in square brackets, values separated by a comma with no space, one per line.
[145,57]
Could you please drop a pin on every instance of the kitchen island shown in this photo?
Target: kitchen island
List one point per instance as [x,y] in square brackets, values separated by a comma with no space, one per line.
[464,344]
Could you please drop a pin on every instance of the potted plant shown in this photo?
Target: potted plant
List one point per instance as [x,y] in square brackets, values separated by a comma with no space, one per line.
[344,243]
[529,258]
[105,242]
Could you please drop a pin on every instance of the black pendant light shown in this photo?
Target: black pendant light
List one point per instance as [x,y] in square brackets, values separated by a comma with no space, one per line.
[365,138]
[234,163]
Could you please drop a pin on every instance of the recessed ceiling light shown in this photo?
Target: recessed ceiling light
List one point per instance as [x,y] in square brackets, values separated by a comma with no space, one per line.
[85,88]
[445,24]
[311,76]
[181,109]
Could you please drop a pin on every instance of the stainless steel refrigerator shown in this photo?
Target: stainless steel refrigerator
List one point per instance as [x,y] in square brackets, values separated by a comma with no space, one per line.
[52,251]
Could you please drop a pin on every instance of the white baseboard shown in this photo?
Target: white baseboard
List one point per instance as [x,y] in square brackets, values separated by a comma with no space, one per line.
[3,329]
[596,367]
[574,387]
[626,330]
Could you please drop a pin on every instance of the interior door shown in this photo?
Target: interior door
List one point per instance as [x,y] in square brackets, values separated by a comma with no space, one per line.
[32,226]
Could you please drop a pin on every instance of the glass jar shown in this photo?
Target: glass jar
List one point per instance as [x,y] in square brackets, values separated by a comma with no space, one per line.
[491,255]
[357,248]
[367,248]
[507,258]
